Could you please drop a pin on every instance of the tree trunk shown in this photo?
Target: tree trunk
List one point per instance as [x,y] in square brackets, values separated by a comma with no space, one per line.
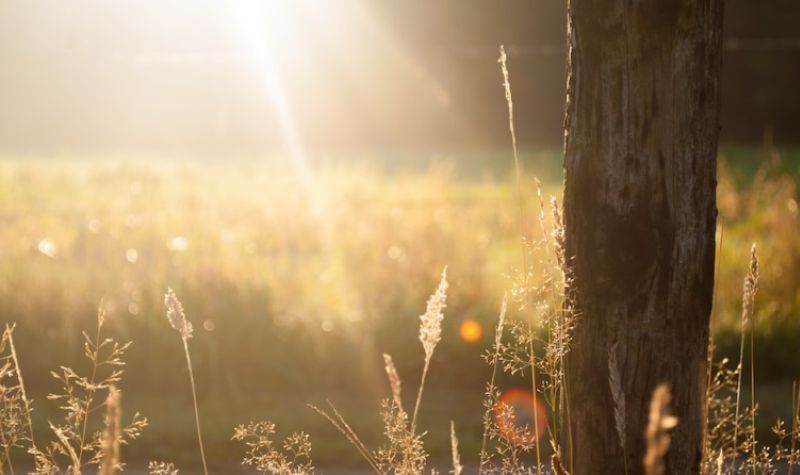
[642,122]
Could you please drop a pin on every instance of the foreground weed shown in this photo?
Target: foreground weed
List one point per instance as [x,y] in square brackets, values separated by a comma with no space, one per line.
[161,468]
[403,453]
[15,423]
[79,442]
[292,457]
[177,318]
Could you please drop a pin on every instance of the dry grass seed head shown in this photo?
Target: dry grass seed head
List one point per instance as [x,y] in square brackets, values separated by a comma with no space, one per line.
[457,467]
[394,379]
[750,287]
[111,434]
[161,468]
[430,330]
[176,315]
[657,435]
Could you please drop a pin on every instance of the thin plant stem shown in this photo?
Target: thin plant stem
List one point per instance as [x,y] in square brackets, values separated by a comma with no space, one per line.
[25,400]
[738,395]
[342,426]
[419,395]
[91,393]
[8,460]
[795,417]
[753,393]
[196,410]
[524,227]
[495,359]
[710,355]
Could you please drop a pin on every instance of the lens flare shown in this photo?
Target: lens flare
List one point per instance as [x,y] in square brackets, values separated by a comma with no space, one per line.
[514,416]
[470,331]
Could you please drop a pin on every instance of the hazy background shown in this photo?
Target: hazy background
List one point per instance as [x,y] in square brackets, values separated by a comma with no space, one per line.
[188,78]
[300,172]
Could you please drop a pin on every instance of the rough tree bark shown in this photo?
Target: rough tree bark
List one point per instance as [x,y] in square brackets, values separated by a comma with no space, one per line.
[642,122]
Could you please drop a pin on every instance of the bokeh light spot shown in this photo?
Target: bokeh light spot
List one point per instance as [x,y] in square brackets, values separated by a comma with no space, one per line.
[470,330]
[132,255]
[47,247]
[178,244]
[521,406]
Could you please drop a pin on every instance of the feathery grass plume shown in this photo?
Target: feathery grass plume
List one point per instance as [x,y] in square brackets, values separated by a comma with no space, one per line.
[559,237]
[657,434]
[394,379]
[430,329]
[161,468]
[749,289]
[263,455]
[430,333]
[457,467]
[111,434]
[177,318]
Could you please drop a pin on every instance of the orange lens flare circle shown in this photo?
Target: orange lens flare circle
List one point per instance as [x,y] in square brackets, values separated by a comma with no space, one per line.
[516,413]
[470,331]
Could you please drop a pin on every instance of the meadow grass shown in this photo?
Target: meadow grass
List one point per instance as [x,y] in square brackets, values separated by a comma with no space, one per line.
[306,289]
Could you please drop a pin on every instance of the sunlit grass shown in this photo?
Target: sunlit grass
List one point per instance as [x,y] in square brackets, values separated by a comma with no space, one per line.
[305,301]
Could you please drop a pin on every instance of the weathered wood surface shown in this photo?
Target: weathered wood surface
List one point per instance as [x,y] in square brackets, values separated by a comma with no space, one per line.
[641,129]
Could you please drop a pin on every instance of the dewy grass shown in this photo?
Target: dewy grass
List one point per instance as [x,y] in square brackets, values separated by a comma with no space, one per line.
[177,318]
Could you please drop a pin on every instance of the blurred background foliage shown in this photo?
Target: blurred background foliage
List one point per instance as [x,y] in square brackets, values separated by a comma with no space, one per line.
[300,177]
[295,289]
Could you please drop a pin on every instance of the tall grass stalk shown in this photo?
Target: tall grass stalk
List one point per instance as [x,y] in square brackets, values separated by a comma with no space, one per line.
[338,422]
[710,356]
[457,467]
[10,335]
[503,60]
[430,333]
[92,387]
[795,420]
[111,434]
[177,318]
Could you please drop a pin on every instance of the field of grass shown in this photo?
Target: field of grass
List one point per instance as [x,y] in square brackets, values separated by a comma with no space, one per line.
[296,282]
